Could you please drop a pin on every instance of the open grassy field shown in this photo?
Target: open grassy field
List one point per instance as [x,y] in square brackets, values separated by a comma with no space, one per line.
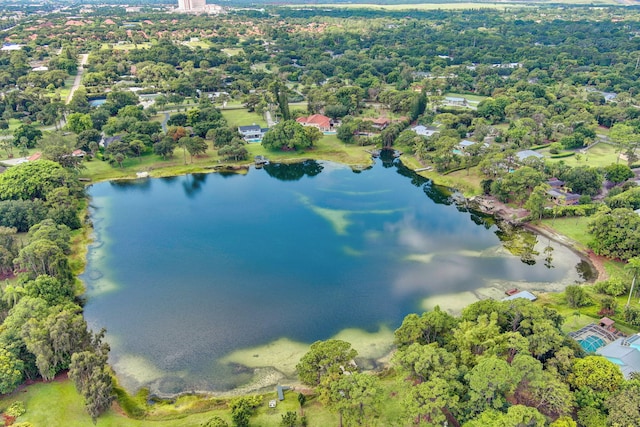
[198,43]
[473,100]
[241,117]
[233,51]
[57,404]
[600,155]
[574,228]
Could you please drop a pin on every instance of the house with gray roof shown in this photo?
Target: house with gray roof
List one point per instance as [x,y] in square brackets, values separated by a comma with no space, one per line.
[624,352]
[425,130]
[252,133]
[525,154]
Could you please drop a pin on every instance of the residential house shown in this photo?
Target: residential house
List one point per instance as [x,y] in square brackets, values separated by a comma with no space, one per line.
[624,352]
[35,156]
[555,183]
[563,198]
[379,123]
[455,101]
[526,154]
[323,123]
[252,133]
[464,145]
[107,140]
[425,130]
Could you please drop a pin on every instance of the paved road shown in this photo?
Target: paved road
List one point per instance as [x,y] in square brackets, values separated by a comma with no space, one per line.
[78,80]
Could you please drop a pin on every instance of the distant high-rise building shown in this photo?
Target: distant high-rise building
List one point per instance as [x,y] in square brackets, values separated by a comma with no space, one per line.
[192,5]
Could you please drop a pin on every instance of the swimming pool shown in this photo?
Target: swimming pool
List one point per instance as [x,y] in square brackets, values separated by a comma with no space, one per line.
[591,343]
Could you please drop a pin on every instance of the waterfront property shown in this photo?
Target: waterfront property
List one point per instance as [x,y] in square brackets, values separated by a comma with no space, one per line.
[253,133]
[323,123]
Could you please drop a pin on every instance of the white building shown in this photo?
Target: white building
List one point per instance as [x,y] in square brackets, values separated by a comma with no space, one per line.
[192,5]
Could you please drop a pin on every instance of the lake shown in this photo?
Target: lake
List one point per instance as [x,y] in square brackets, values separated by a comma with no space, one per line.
[221,281]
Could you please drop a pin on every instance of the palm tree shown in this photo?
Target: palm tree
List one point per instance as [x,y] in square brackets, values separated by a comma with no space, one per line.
[12,294]
[633,265]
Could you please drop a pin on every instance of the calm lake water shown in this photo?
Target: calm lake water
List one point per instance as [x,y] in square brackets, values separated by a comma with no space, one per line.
[185,270]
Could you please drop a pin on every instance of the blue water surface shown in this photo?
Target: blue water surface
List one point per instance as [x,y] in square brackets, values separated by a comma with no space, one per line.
[187,269]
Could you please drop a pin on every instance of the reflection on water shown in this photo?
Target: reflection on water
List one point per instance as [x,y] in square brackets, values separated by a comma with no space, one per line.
[198,267]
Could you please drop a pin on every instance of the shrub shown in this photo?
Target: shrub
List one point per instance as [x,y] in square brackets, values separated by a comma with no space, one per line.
[16,409]
[614,287]
[632,315]
[576,296]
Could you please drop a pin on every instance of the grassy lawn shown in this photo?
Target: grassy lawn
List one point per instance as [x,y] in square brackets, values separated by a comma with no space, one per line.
[242,117]
[233,51]
[328,148]
[574,228]
[57,403]
[599,156]
[473,100]
[200,43]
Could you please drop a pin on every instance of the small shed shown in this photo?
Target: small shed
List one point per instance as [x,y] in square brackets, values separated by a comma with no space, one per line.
[606,323]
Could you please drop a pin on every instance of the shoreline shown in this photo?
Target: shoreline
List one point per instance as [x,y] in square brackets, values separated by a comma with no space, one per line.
[264,378]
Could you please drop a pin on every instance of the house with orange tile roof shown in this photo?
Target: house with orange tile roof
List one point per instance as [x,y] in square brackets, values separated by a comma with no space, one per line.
[323,123]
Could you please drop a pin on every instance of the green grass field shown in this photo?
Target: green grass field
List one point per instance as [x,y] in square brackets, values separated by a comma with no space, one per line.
[574,228]
[233,51]
[600,155]
[57,404]
[241,117]
[199,43]
[473,100]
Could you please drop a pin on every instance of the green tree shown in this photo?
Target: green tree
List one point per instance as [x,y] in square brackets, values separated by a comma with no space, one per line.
[215,422]
[516,186]
[10,371]
[164,147]
[287,135]
[34,180]
[79,122]
[356,397]
[576,296]
[565,421]
[28,133]
[583,180]
[90,373]
[536,202]
[423,361]
[617,173]
[431,401]
[624,406]
[597,374]
[324,358]
[633,265]
[242,408]
[290,419]
[490,381]
[433,326]
[609,239]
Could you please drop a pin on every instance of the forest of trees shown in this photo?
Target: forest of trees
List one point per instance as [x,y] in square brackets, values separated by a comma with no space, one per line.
[550,77]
